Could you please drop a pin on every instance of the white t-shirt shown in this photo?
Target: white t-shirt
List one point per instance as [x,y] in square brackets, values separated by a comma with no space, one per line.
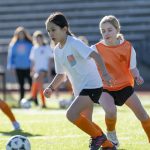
[73,60]
[132,58]
[41,55]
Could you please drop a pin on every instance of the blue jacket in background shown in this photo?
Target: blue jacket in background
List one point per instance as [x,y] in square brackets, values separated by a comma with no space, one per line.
[18,55]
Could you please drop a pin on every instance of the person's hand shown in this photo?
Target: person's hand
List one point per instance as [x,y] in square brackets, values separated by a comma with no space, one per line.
[32,71]
[108,80]
[12,71]
[47,92]
[139,80]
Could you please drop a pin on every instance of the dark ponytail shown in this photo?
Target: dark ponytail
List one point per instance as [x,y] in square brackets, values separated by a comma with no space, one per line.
[60,20]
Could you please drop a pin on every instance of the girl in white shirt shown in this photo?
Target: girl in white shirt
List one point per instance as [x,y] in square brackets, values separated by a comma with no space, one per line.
[40,56]
[76,60]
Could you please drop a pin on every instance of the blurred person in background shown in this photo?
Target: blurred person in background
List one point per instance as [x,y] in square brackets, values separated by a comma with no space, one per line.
[83,39]
[41,57]
[18,57]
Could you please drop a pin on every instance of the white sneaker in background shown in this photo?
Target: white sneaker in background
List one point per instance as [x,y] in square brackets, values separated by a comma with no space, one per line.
[16,125]
[113,138]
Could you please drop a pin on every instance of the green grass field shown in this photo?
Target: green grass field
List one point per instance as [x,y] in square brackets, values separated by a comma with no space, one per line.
[48,129]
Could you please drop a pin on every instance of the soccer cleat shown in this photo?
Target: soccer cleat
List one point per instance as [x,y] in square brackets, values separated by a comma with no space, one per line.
[96,143]
[43,106]
[35,100]
[109,148]
[113,138]
[16,125]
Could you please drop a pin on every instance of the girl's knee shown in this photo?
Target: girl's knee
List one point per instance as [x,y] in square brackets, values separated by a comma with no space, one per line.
[67,115]
[71,116]
[111,112]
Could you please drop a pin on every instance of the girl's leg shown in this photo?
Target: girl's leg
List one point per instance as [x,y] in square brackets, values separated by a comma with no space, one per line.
[37,86]
[7,111]
[29,77]
[88,112]
[75,115]
[79,105]
[34,92]
[107,102]
[135,105]
[41,77]
[20,78]
[5,108]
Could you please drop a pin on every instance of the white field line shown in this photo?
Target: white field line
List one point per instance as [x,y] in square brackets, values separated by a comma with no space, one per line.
[50,112]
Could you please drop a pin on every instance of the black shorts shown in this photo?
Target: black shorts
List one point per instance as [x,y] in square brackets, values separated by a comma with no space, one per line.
[53,73]
[94,94]
[122,95]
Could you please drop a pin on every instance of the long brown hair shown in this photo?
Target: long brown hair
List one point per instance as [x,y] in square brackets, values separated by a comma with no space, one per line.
[15,37]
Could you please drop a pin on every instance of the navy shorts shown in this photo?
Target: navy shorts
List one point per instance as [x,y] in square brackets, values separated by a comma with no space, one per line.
[94,94]
[121,96]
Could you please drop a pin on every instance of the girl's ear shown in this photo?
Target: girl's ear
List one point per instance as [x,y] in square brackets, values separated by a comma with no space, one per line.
[65,29]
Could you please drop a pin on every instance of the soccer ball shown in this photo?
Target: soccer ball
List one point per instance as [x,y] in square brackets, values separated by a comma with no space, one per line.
[18,142]
[64,103]
[25,103]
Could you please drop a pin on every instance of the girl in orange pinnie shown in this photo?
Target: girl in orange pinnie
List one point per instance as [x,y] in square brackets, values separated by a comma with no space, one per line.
[120,60]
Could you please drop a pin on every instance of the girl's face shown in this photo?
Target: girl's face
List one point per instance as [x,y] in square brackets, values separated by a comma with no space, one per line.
[57,34]
[21,35]
[109,33]
[39,40]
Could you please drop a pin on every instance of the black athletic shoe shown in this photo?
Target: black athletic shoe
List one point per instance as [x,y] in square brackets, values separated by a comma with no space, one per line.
[96,143]
[35,100]
[109,148]
[43,106]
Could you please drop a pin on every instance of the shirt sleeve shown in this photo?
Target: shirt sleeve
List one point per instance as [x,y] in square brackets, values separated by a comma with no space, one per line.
[49,52]
[94,48]
[10,58]
[59,69]
[133,59]
[83,50]
[31,57]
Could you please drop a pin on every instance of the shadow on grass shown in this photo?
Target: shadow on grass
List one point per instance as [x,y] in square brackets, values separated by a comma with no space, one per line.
[37,108]
[18,132]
